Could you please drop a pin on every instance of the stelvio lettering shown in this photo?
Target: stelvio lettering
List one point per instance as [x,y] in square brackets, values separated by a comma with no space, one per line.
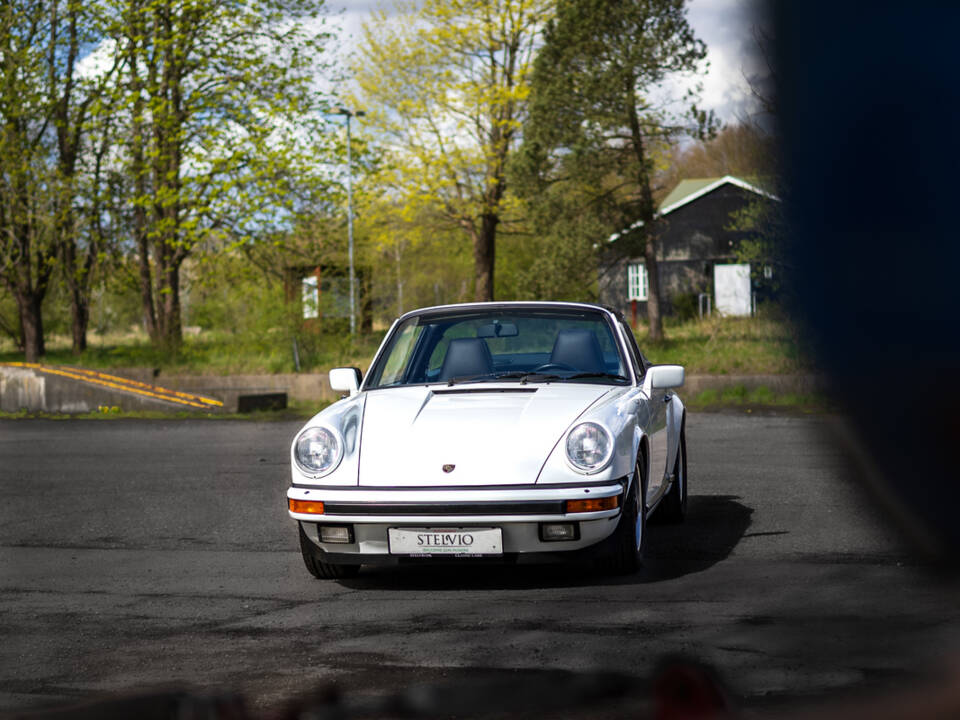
[444,539]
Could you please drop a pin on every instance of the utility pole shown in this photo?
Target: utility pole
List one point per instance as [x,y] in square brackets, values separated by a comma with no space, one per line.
[346,112]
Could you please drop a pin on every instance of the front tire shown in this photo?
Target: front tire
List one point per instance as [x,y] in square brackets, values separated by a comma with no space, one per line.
[317,567]
[625,555]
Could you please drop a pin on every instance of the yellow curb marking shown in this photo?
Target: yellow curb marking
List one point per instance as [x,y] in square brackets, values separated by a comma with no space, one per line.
[119,383]
[137,383]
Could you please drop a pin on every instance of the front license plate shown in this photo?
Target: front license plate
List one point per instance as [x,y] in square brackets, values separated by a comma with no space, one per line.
[458,542]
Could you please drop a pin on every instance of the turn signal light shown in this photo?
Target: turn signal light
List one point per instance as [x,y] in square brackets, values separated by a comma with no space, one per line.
[310,507]
[593,504]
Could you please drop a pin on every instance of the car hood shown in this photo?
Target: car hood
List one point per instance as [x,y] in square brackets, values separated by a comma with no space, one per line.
[490,435]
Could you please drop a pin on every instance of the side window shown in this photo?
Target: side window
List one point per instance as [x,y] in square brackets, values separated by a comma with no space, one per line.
[400,355]
[636,357]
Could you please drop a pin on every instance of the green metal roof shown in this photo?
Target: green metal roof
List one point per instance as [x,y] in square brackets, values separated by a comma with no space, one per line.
[692,186]
[684,188]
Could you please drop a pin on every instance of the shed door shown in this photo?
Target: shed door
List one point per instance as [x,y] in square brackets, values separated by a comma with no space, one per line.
[731,286]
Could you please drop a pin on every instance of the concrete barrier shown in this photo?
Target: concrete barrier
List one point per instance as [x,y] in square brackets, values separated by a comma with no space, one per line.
[22,389]
[303,388]
[36,390]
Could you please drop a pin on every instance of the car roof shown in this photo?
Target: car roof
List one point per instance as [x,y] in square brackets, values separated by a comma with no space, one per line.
[510,305]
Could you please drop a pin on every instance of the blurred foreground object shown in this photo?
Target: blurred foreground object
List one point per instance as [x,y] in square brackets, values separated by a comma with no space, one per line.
[869,105]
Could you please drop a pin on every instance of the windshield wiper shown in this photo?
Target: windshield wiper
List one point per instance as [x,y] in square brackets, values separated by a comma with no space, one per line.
[612,376]
[526,376]
[468,378]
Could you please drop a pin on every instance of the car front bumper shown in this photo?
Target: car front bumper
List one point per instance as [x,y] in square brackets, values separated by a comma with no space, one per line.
[519,512]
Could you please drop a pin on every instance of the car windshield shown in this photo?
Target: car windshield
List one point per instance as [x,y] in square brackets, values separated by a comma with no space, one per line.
[502,345]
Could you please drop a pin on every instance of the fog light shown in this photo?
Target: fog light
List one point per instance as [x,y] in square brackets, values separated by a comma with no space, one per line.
[552,532]
[336,534]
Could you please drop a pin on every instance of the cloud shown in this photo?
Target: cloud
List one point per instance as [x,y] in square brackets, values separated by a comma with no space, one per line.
[728,29]
[726,26]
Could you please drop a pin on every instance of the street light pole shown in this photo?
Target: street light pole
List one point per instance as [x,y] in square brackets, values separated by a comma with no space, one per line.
[353,305]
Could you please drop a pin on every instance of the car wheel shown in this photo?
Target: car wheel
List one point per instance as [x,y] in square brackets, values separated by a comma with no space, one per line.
[673,507]
[625,555]
[317,567]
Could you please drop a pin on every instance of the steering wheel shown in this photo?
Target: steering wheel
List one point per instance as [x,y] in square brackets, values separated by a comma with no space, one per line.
[554,366]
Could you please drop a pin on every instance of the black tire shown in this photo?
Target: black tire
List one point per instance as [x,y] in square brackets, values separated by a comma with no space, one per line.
[625,553]
[673,507]
[317,567]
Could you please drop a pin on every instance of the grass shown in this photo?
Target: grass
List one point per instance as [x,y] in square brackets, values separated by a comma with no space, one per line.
[729,346]
[720,346]
[740,397]
[210,353]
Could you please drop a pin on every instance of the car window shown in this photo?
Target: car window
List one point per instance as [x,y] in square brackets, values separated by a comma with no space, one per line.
[398,360]
[639,362]
[493,344]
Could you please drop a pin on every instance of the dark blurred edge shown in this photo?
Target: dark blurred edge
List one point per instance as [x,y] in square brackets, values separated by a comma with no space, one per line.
[869,104]
[519,693]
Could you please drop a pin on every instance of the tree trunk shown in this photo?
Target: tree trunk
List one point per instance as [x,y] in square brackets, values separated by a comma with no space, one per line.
[139,171]
[484,250]
[168,306]
[146,282]
[77,276]
[79,319]
[648,214]
[31,321]
[654,318]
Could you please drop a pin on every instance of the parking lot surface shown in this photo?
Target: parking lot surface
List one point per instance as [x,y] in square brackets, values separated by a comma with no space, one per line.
[135,553]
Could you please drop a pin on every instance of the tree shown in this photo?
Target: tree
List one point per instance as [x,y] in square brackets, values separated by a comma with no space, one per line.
[591,117]
[447,85]
[223,134]
[30,48]
[77,100]
[743,150]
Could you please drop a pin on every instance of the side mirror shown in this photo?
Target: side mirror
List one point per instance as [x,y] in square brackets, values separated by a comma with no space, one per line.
[346,380]
[661,377]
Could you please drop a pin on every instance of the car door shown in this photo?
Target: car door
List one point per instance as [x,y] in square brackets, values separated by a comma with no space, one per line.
[656,425]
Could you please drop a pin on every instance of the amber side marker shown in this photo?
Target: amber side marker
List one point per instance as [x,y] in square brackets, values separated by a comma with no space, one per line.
[309,507]
[593,504]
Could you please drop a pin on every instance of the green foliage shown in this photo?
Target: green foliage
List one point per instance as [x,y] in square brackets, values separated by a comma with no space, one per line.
[741,150]
[224,130]
[135,132]
[731,346]
[585,169]
[686,306]
[211,352]
[762,397]
[766,244]
[445,83]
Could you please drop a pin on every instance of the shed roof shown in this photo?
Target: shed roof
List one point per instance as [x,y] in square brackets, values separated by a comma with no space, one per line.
[690,189]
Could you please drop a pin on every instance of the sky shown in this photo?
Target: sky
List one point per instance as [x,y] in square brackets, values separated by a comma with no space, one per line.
[726,26]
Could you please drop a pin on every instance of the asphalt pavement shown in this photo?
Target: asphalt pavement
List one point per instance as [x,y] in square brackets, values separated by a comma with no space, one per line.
[138,553]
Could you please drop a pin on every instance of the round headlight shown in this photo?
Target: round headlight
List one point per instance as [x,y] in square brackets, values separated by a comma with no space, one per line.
[589,447]
[318,450]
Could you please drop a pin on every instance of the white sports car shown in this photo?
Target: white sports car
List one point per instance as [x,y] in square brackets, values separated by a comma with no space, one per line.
[519,431]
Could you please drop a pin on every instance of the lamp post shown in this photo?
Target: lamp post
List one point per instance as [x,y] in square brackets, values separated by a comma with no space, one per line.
[346,112]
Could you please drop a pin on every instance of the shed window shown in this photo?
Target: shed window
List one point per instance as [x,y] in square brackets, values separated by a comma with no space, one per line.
[311,298]
[637,281]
